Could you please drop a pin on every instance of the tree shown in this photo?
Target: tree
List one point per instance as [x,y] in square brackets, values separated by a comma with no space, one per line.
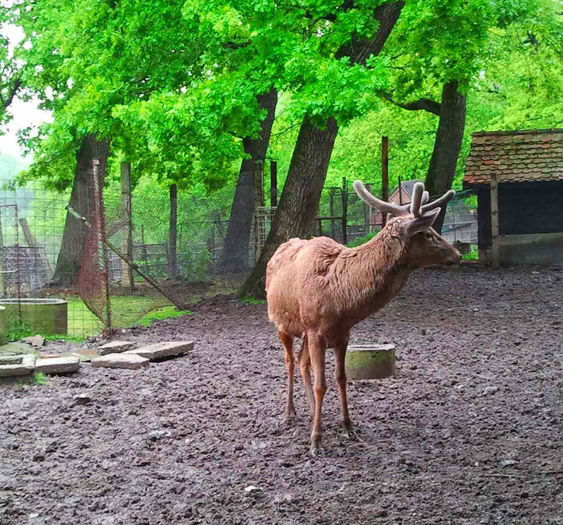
[81,201]
[309,164]
[236,246]
[451,64]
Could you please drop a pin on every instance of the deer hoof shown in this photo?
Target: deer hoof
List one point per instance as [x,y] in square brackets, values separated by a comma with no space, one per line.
[316,449]
[289,419]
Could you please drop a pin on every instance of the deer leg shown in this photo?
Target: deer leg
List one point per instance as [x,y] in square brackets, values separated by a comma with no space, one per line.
[287,342]
[317,355]
[305,366]
[340,377]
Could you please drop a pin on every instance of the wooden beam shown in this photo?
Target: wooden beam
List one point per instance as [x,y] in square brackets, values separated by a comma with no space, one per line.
[29,238]
[495,221]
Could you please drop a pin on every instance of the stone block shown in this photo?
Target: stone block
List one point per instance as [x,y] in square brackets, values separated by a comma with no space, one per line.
[57,365]
[115,347]
[130,361]
[23,366]
[159,350]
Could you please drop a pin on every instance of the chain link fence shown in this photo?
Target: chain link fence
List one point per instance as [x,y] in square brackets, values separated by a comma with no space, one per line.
[123,259]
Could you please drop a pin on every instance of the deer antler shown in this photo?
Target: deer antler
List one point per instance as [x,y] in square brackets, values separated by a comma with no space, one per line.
[374,202]
[418,207]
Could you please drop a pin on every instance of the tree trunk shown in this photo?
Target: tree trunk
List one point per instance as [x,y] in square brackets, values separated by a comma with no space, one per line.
[236,246]
[173,234]
[81,201]
[309,163]
[447,145]
[299,201]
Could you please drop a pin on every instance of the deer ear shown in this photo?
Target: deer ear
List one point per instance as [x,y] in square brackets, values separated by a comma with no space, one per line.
[420,224]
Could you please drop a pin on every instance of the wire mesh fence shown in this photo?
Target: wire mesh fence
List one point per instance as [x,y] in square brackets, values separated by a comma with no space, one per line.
[117,257]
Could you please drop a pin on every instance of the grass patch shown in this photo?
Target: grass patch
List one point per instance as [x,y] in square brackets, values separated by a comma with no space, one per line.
[126,311]
[165,312]
[252,300]
[473,255]
[38,378]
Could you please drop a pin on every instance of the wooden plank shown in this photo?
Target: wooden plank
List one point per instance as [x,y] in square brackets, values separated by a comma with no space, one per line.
[495,221]
[29,238]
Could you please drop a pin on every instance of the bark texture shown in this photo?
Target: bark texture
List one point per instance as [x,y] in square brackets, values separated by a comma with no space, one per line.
[447,144]
[236,245]
[311,156]
[82,201]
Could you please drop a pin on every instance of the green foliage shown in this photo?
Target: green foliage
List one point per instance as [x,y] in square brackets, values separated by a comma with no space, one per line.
[173,83]
[39,378]
[17,330]
[473,255]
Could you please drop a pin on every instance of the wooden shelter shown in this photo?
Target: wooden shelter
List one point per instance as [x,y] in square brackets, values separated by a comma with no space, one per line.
[518,176]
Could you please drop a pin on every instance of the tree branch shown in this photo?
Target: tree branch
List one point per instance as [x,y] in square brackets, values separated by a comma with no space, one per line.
[11,94]
[425,104]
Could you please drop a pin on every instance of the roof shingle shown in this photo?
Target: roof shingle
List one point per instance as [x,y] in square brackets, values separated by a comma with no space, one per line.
[515,156]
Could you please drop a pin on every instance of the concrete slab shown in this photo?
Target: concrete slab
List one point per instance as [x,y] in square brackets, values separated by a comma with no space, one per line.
[24,367]
[158,350]
[115,347]
[14,348]
[11,359]
[57,365]
[86,355]
[130,361]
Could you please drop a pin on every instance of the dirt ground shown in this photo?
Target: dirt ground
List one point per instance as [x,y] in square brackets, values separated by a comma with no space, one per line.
[469,431]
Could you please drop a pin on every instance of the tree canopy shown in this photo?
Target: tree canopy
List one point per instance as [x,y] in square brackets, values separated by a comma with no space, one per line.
[174,84]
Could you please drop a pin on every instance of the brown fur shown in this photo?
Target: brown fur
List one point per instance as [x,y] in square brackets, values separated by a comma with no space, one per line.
[318,289]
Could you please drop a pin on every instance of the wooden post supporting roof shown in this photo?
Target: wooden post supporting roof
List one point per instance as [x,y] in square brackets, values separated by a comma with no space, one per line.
[495,221]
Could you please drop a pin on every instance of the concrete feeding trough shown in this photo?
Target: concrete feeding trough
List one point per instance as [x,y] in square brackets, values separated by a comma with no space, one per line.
[370,361]
[41,315]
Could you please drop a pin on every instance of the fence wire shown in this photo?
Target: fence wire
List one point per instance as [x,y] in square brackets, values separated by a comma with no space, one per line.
[57,273]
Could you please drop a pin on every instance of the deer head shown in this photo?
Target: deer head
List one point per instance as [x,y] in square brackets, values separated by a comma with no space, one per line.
[412,223]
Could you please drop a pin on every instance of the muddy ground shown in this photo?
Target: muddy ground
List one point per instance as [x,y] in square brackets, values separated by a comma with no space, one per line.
[469,431]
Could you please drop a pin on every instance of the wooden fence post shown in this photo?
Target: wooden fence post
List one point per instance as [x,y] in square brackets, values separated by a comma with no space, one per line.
[127,275]
[173,233]
[344,210]
[384,176]
[273,183]
[494,221]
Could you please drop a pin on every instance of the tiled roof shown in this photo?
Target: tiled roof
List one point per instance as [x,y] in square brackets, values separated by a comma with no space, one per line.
[515,156]
[408,185]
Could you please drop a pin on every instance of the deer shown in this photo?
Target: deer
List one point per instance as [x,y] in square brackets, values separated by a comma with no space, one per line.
[318,289]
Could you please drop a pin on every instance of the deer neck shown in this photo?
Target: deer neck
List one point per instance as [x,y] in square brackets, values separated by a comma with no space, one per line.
[377,273]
